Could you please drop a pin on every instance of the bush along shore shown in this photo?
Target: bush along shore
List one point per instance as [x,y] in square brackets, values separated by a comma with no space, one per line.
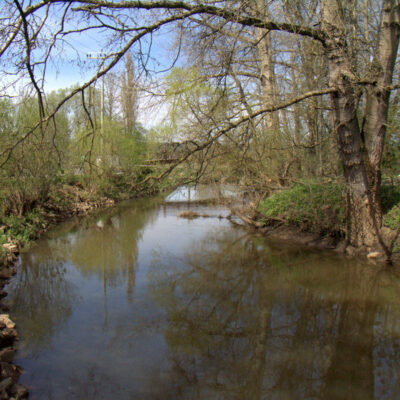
[315,214]
[18,231]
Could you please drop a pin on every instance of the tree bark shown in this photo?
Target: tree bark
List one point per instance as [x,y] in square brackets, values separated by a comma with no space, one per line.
[361,223]
[267,72]
[377,101]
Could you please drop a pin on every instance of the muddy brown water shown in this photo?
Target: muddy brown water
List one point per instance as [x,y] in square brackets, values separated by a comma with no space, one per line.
[136,303]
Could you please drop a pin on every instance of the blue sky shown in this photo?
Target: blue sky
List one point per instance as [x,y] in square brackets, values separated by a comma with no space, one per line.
[68,65]
[71,66]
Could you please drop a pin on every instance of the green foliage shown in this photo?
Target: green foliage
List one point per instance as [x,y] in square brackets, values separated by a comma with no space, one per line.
[390,195]
[34,164]
[191,98]
[323,206]
[22,229]
[392,218]
[56,167]
[115,151]
[391,156]
[69,179]
[6,117]
[315,206]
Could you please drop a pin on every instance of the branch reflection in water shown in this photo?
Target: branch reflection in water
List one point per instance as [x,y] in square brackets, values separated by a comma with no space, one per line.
[247,319]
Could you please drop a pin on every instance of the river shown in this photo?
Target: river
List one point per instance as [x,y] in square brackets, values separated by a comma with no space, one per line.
[137,303]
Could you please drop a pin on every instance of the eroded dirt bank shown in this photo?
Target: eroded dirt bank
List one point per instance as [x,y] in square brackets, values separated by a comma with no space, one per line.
[280,229]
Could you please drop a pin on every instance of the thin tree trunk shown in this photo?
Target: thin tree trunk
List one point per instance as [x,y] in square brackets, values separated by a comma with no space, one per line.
[267,76]
[267,72]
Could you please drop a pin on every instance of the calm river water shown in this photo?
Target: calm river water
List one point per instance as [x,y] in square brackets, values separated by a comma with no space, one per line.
[140,304]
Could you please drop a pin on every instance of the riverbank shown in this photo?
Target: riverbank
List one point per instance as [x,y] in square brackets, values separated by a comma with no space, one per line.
[294,215]
[315,215]
[85,294]
[280,229]
[17,232]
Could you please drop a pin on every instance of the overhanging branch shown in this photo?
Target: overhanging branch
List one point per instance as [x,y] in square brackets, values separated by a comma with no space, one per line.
[234,125]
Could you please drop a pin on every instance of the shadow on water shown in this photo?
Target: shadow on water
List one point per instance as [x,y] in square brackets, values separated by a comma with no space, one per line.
[139,304]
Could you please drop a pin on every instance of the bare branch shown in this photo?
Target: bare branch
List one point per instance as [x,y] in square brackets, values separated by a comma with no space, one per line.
[12,37]
[90,5]
[232,126]
[28,58]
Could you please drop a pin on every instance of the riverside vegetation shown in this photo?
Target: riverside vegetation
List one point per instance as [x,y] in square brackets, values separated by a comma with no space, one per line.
[321,209]
[297,103]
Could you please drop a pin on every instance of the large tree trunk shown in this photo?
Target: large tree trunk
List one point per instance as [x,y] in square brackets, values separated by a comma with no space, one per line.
[361,223]
[377,102]
[362,230]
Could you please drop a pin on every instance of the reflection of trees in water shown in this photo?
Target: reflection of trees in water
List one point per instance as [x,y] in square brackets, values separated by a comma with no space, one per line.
[41,296]
[106,247]
[368,334]
[92,382]
[110,252]
[249,321]
[96,383]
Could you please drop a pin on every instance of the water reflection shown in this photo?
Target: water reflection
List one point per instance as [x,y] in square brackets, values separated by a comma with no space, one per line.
[136,303]
[200,193]
[41,297]
[108,248]
[44,290]
[245,325]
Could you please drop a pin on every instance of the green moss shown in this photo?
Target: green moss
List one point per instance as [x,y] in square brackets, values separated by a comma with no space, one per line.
[317,206]
[392,218]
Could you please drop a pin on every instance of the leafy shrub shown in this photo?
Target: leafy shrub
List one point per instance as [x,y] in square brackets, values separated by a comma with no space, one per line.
[392,218]
[390,196]
[22,229]
[315,205]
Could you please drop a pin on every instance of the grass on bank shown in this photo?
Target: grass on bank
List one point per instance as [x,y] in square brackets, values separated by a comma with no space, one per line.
[391,206]
[322,207]
[315,207]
